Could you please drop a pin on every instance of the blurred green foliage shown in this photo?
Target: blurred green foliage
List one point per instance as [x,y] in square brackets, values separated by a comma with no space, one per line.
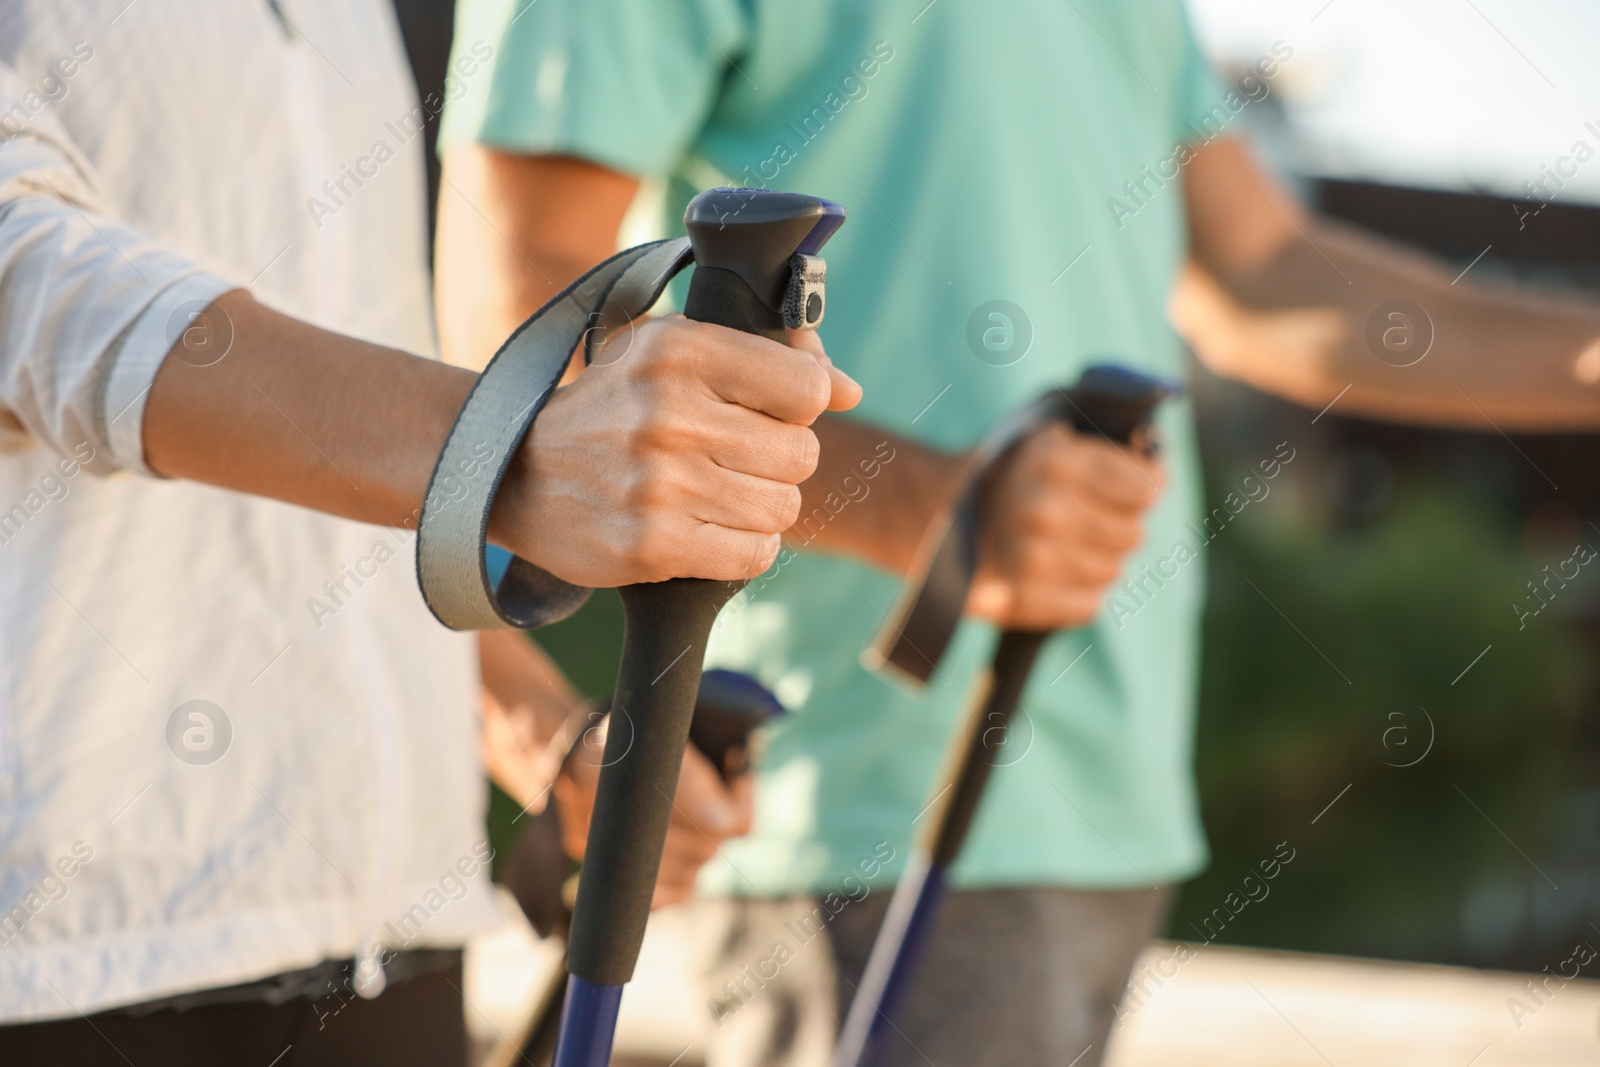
[1333,683]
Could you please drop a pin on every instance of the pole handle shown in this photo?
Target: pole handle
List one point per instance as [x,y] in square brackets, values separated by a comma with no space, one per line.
[755,257]
[667,625]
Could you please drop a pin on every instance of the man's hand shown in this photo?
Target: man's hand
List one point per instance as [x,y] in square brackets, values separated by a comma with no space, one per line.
[677,454]
[705,812]
[1063,512]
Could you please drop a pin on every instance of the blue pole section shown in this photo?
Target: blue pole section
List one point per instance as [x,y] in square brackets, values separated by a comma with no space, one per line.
[892,967]
[588,1024]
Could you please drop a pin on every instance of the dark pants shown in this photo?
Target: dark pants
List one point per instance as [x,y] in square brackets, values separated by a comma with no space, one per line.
[1013,977]
[415,1023]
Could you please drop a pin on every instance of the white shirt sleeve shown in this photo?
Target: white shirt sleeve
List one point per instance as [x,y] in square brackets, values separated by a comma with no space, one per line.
[88,306]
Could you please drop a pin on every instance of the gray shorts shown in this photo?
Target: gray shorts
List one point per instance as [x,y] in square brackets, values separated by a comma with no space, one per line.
[1013,977]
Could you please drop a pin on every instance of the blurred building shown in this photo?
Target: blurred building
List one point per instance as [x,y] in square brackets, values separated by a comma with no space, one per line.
[1471,130]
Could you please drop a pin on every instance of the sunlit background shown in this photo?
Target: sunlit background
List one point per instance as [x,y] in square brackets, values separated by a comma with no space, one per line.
[1400,552]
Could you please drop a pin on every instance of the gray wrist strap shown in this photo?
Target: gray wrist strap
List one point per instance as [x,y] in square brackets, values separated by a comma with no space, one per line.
[452,529]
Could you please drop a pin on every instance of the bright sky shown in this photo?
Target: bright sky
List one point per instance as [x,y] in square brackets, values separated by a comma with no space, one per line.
[1469,95]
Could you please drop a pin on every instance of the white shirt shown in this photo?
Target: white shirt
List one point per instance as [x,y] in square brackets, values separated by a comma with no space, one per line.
[152,156]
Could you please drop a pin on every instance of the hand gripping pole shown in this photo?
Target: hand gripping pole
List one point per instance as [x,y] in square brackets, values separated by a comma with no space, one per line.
[1107,400]
[730,709]
[756,256]
[758,271]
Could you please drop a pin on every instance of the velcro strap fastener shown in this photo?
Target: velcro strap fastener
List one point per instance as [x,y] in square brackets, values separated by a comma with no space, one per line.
[452,529]
[806,297]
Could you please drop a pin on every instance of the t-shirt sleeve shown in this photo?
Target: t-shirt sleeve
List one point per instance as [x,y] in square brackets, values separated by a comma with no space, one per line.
[1203,98]
[89,307]
[624,84]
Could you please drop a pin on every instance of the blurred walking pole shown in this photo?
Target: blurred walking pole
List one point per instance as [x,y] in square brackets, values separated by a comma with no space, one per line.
[1114,402]
[729,709]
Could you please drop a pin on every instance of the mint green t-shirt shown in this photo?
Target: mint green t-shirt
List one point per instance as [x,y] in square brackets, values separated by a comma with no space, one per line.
[981,151]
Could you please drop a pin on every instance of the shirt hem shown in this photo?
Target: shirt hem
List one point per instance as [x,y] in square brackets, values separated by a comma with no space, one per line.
[87,975]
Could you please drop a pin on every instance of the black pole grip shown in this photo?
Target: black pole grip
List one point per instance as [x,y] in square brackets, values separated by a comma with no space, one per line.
[666,631]
[743,240]
[721,296]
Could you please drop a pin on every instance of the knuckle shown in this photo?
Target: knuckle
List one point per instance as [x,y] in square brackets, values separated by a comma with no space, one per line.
[671,330]
[646,548]
[674,344]
[1142,487]
[1105,570]
[1052,442]
[1035,558]
[812,389]
[1036,520]
[785,508]
[1075,464]
[763,552]
[646,494]
[805,452]
[661,429]
[1093,570]
[1106,466]
[1114,539]
[1060,462]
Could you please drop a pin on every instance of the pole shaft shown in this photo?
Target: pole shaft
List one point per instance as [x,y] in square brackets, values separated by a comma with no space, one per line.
[1008,674]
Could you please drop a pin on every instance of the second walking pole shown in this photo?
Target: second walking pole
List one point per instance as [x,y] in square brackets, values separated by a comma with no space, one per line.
[1110,401]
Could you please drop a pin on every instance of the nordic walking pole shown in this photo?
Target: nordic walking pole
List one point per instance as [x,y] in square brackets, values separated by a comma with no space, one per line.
[730,708]
[1115,403]
[756,270]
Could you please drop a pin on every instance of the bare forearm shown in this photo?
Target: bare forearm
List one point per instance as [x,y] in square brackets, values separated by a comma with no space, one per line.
[519,675]
[304,415]
[513,232]
[530,715]
[1453,353]
[874,495]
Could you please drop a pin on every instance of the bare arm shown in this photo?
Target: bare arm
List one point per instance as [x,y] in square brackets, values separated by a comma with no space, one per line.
[301,414]
[513,231]
[681,460]
[527,702]
[1281,299]
[874,494]
[1059,518]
